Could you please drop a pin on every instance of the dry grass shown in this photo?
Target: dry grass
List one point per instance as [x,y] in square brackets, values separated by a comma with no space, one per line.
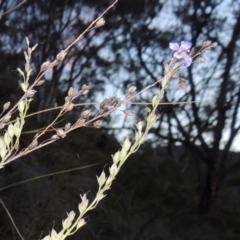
[13,119]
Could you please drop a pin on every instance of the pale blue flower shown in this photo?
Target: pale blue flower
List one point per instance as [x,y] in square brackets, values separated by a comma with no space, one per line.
[181,52]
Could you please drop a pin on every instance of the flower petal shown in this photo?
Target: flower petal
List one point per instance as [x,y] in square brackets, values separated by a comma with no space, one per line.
[185,45]
[180,55]
[174,46]
[187,61]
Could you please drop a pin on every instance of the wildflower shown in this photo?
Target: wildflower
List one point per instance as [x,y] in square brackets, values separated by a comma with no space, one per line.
[183,47]
[181,54]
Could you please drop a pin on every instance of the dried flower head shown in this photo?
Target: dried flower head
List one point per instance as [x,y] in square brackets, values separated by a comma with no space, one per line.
[40,82]
[68,106]
[100,22]
[182,84]
[207,43]
[98,124]
[85,113]
[131,91]
[30,93]
[2,125]
[84,90]
[105,103]
[71,92]
[200,59]
[115,102]
[45,66]
[61,56]
[33,144]
[67,99]
[6,106]
[61,133]
[128,112]
[80,122]
[67,127]
[214,44]
[55,137]
[6,118]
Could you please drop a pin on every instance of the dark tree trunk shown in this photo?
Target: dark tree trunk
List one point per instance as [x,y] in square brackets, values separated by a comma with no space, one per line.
[209,192]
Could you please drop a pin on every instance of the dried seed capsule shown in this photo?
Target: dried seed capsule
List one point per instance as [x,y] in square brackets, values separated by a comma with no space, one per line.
[100,22]
[33,144]
[55,137]
[128,112]
[6,118]
[85,113]
[182,85]
[207,43]
[68,106]
[6,106]
[80,122]
[131,90]
[200,60]
[71,92]
[215,44]
[40,82]
[61,56]
[84,90]
[30,93]
[45,66]
[67,126]
[98,124]
[61,133]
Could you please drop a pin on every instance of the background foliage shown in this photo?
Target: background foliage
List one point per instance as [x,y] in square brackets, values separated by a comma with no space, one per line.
[184,183]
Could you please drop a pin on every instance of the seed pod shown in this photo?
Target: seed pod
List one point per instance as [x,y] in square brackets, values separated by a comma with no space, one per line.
[100,22]
[61,56]
[33,144]
[207,43]
[84,90]
[85,113]
[67,127]
[68,106]
[129,112]
[182,85]
[6,118]
[6,106]
[30,93]
[98,124]
[131,90]
[80,122]
[71,92]
[55,137]
[61,133]
[215,44]
[40,82]
[45,66]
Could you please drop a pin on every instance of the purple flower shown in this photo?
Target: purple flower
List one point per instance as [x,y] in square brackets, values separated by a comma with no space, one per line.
[184,46]
[182,52]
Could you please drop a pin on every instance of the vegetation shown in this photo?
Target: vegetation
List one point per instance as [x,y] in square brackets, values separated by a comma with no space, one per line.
[179,184]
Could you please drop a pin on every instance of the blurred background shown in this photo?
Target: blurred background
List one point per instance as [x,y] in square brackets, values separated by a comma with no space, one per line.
[184,182]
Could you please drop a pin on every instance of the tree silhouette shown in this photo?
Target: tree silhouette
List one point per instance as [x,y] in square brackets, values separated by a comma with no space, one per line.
[130,50]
